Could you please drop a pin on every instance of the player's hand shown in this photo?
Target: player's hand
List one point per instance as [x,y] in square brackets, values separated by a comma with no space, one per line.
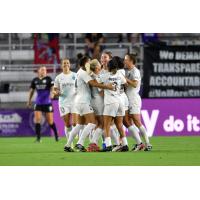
[110,86]
[126,85]
[56,93]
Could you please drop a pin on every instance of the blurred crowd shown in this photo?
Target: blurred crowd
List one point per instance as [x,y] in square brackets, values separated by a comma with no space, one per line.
[94,42]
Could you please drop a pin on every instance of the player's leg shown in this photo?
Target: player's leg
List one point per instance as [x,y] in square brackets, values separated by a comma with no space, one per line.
[65,112]
[119,124]
[114,133]
[98,132]
[99,129]
[91,124]
[66,119]
[73,116]
[110,112]
[137,121]
[74,119]
[37,121]
[107,120]
[75,131]
[134,109]
[50,120]
[127,121]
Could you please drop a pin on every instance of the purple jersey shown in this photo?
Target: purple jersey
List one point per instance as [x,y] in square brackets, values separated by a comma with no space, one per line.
[43,87]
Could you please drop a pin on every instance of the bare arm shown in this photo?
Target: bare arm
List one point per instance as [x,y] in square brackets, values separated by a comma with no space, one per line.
[55,92]
[132,83]
[94,83]
[30,96]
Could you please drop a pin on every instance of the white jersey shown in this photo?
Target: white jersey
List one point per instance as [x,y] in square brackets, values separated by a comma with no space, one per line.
[122,71]
[83,94]
[117,80]
[103,71]
[97,101]
[66,84]
[94,90]
[133,74]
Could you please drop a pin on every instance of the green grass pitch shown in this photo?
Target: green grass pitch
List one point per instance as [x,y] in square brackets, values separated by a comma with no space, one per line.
[167,151]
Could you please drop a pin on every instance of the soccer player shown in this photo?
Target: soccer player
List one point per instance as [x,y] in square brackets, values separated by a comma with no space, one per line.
[113,106]
[105,58]
[123,95]
[83,105]
[97,103]
[133,79]
[64,87]
[43,84]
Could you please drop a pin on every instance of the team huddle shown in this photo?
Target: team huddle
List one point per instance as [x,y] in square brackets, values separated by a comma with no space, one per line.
[97,103]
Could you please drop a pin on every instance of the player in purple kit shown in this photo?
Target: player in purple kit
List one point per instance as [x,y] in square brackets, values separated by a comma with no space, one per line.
[43,84]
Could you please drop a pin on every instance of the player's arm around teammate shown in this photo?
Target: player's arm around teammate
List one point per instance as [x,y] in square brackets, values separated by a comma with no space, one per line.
[82,103]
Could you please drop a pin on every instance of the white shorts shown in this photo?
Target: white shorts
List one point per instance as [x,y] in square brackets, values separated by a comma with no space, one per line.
[135,105]
[98,105]
[66,109]
[83,108]
[114,109]
[124,100]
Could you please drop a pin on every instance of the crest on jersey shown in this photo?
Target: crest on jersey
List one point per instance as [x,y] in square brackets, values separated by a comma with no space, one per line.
[73,77]
[44,81]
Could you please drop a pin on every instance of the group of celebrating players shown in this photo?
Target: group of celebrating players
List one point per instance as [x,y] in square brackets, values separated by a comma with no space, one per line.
[97,102]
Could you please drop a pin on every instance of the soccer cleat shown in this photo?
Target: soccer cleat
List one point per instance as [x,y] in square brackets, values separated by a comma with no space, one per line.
[107,149]
[138,147]
[93,148]
[68,149]
[80,148]
[57,139]
[116,148]
[148,147]
[121,148]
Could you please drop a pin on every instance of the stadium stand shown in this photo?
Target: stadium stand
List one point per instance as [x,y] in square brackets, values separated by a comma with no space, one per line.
[17,56]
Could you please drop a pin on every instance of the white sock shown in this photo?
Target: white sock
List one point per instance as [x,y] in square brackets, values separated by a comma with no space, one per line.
[86,131]
[103,137]
[108,141]
[115,129]
[97,133]
[133,130]
[144,134]
[80,132]
[67,131]
[91,136]
[124,141]
[73,134]
[114,135]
